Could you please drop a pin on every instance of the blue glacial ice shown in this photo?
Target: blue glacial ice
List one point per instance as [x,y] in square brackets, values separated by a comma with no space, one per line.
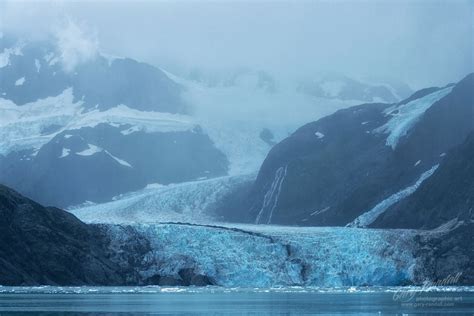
[268,256]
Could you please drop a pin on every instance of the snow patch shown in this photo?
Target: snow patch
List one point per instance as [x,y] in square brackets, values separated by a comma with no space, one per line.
[65,152]
[92,150]
[7,52]
[319,135]
[20,81]
[120,161]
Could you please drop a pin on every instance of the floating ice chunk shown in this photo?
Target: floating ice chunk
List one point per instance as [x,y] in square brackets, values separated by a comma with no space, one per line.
[405,116]
[65,153]
[369,217]
[20,81]
[442,154]
[319,135]
[363,123]
[67,136]
[417,163]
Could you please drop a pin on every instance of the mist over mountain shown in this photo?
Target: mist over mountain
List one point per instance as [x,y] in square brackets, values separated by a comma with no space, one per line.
[241,145]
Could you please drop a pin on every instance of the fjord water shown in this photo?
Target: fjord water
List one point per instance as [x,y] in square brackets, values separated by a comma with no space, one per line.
[215,300]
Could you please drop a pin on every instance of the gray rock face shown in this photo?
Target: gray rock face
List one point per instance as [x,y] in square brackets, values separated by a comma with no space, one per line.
[446,195]
[447,256]
[49,246]
[330,171]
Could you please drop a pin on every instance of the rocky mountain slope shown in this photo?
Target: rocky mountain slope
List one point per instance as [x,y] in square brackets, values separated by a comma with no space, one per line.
[76,130]
[448,194]
[359,160]
[106,127]
[49,246]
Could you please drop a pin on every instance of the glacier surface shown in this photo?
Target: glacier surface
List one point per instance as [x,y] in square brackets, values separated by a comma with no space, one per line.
[405,116]
[267,256]
[182,202]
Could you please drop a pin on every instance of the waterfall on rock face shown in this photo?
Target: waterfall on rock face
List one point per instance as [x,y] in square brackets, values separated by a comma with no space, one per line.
[270,200]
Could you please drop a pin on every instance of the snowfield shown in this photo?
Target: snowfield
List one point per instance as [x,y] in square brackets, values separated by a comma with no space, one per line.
[405,116]
[23,127]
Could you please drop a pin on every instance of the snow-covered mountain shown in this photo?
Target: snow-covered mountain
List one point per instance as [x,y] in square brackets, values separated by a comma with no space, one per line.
[350,167]
[105,126]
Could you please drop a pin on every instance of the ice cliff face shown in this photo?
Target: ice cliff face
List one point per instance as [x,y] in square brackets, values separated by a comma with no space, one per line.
[263,256]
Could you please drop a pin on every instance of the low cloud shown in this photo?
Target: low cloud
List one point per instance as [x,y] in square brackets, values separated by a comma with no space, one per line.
[75,43]
[419,42]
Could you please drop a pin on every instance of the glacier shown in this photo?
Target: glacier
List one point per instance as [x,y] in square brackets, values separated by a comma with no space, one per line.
[234,116]
[405,116]
[269,256]
[181,202]
[370,216]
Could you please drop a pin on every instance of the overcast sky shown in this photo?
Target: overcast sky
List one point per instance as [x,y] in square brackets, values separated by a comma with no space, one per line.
[420,42]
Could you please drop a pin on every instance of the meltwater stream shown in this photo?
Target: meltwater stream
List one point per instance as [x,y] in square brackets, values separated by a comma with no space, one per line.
[247,301]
